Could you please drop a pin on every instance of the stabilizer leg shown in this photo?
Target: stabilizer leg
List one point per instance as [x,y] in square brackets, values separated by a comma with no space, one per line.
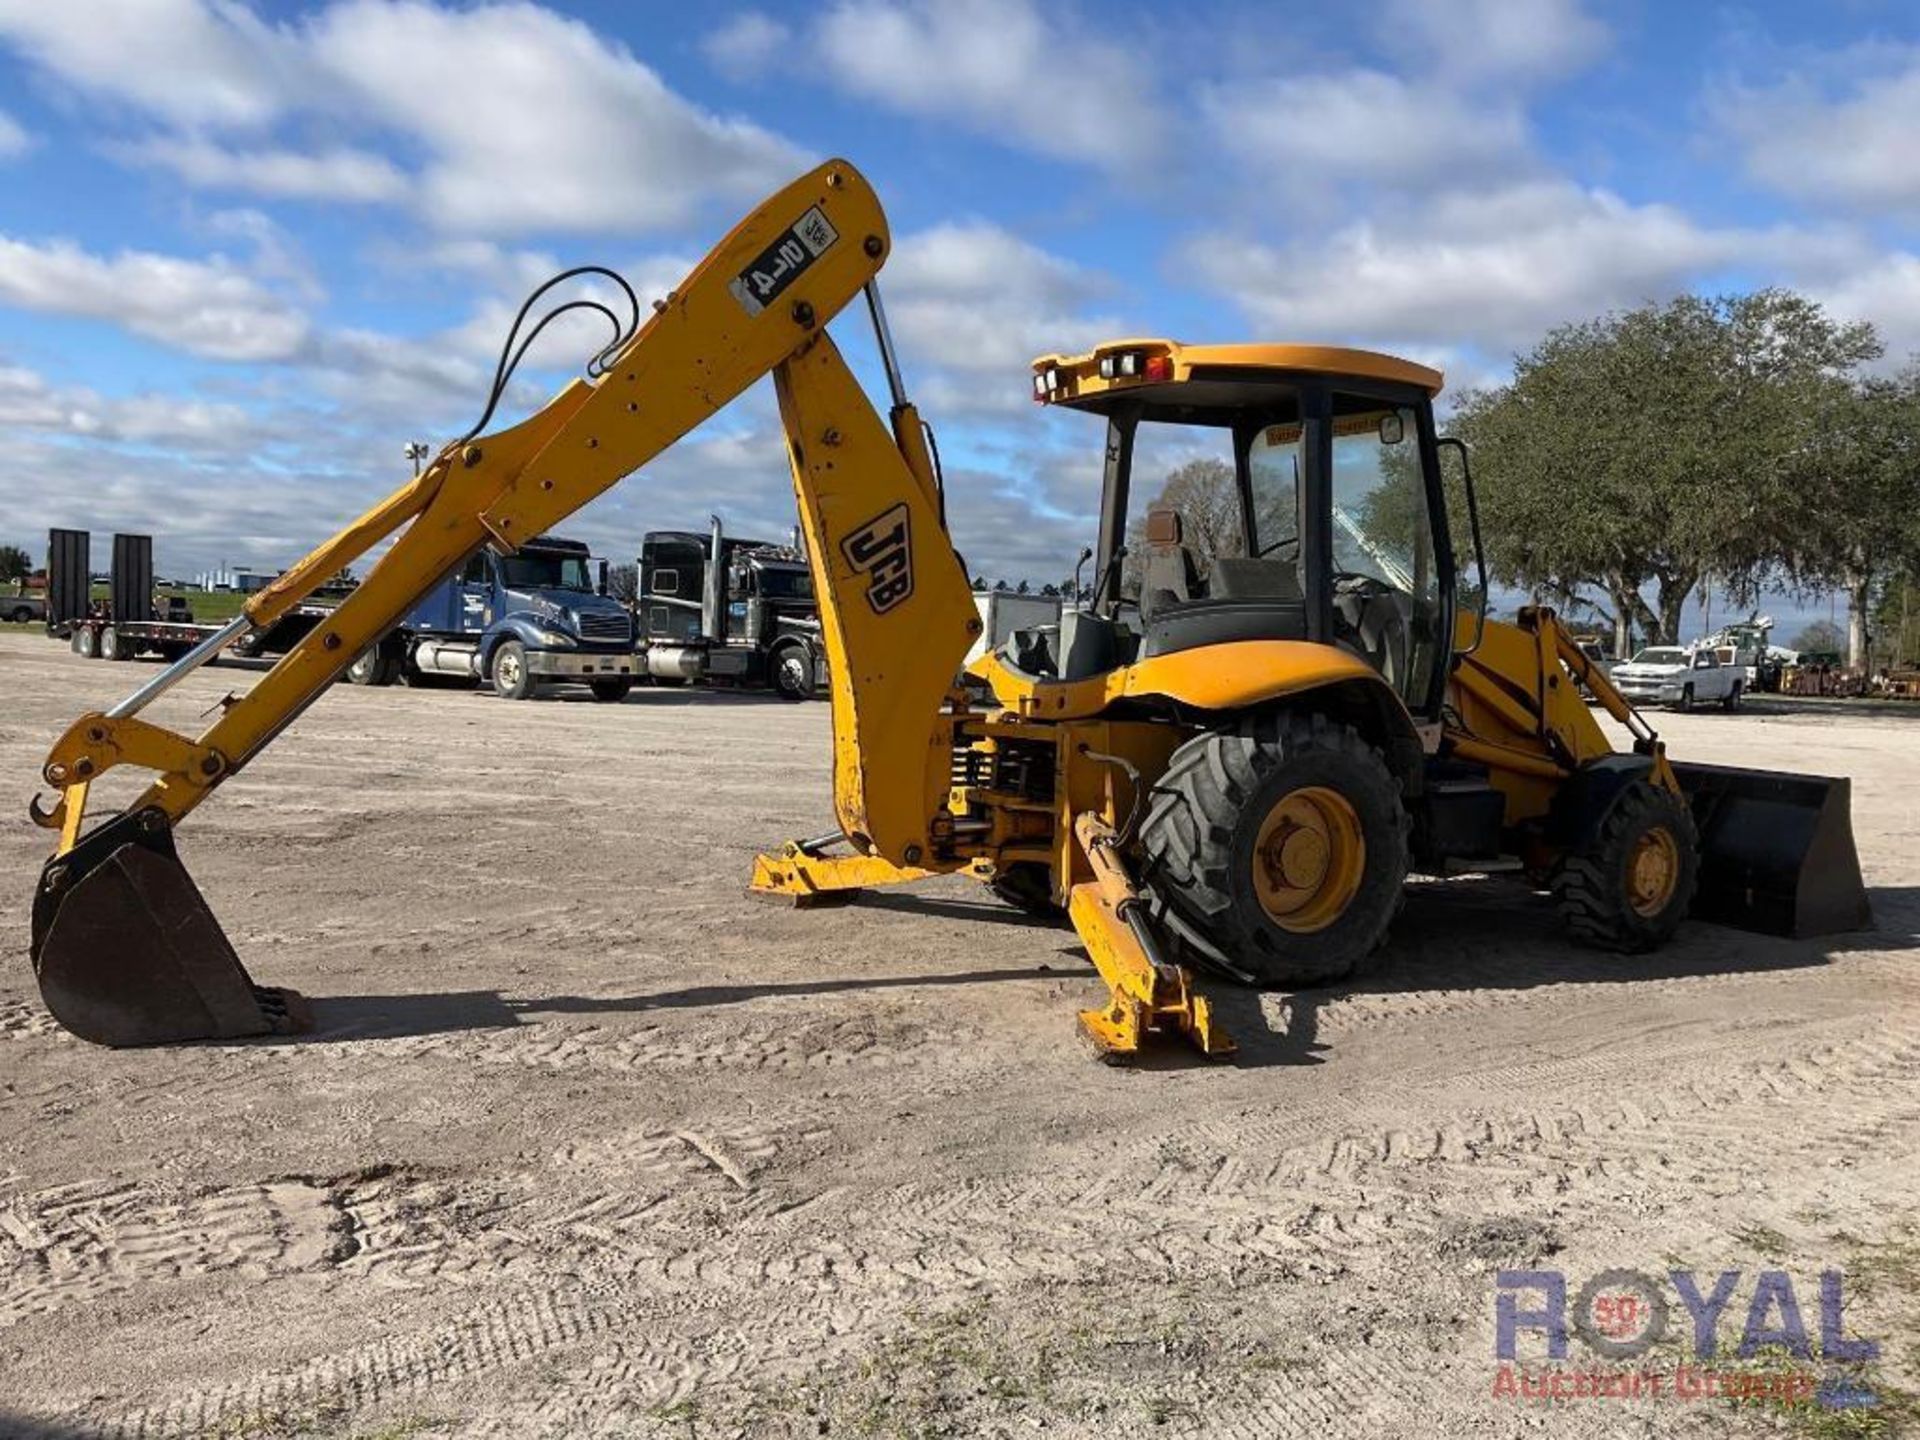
[802,876]
[1147,994]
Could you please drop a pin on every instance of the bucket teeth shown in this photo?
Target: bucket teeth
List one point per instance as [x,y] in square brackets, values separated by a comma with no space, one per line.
[126,951]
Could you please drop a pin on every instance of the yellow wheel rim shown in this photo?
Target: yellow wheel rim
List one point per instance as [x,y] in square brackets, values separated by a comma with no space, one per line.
[1308,859]
[1653,872]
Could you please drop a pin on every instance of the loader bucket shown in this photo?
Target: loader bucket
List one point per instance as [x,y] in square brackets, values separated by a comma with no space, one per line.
[1776,851]
[127,952]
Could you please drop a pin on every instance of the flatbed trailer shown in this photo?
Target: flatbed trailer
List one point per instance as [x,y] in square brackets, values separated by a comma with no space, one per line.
[104,638]
[126,625]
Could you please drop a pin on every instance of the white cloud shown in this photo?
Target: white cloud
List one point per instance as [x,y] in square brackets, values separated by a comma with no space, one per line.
[970,303]
[523,120]
[1002,68]
[14,141]
[246,510]
[1885,291]
[1493,270]
[29,402]
[1855,147]
[746,45]
[570,132]
[1515,40]
[209,307]
[1363,124]
[189,61]
[336,173]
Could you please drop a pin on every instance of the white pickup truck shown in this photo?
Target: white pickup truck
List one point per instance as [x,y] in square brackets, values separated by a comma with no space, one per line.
[1670,675]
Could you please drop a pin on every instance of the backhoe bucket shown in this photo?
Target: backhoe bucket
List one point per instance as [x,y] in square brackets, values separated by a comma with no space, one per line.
[127,952]
[1776,851]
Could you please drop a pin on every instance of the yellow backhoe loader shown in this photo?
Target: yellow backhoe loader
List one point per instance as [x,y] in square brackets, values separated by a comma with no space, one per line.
[1226,761]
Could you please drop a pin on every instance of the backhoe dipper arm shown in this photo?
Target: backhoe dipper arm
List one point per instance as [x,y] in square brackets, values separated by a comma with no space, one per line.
[896,613]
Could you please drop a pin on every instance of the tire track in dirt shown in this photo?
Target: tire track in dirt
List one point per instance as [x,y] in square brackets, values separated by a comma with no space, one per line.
[24,1020]
[828,1044]
[876,1255]
[1478,984]
[495,1336]
[77,1243]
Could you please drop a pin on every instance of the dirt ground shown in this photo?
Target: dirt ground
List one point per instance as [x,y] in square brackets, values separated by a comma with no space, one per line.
[589,1142]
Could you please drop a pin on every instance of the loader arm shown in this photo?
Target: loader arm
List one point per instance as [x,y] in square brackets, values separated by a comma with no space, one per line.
[895,607]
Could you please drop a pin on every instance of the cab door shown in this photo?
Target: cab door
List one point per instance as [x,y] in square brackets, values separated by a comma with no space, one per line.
[1386,536]
[473,596]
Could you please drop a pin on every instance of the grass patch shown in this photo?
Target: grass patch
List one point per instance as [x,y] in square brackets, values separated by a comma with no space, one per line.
[1764,1240]
[279,1422]
[1078,1356]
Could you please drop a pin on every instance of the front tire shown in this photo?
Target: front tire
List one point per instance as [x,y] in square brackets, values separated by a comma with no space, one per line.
[1281,843]
[376,665]
[611,692]
[512,680]
[1629,887]
[1686,699]
[793,673]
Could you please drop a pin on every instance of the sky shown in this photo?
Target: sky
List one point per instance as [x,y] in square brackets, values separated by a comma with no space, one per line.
[248,251]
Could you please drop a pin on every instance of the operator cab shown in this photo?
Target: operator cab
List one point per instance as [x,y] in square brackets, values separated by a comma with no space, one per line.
[1260,492]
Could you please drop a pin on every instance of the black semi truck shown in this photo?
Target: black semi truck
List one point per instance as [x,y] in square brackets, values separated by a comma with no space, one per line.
[728,611]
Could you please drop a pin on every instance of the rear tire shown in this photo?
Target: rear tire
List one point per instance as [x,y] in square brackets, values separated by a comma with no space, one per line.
[611,692]
[112,646]
[1629,887]
[1282,843]
[81,642]
[20,614]
[512,680]
[1731,700]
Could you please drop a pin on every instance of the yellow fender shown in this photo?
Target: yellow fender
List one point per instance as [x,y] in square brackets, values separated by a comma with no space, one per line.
[1235,675]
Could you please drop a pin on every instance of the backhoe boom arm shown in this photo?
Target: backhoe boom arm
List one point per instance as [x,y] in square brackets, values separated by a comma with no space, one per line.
[886,575]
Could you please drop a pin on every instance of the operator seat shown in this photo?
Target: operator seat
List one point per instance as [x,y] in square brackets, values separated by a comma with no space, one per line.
[1170,576]
[1241,599]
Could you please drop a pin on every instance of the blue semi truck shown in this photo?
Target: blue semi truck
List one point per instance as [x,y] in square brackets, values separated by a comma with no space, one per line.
[520,622]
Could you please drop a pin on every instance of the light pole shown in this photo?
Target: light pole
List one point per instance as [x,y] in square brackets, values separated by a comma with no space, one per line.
[416,451]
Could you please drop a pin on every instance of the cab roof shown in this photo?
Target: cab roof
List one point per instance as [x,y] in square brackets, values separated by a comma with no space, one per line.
[1167,373]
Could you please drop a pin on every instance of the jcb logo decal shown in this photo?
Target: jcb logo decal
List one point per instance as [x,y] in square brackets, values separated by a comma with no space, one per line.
[882,550]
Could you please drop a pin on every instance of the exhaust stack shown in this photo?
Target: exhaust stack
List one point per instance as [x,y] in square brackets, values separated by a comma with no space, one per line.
[713,595]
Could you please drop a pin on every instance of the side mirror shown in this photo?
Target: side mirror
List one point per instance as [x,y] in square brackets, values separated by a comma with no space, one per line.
[1449,442]
[1393,428]
[600,579]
